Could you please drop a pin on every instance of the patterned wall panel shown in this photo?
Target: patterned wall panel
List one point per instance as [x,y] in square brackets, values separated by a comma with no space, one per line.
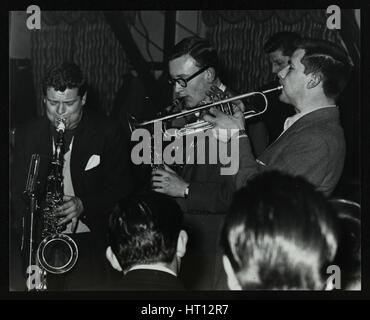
[239,39]
[102,58]
[90,43]
[49,46]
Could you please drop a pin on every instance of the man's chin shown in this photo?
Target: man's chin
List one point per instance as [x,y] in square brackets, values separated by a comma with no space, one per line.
[283,97]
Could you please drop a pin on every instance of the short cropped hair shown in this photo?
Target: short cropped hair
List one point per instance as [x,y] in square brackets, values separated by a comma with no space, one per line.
[66,75]
[201,50]
[144,229]
[280,233]
[285,41]
[330,61]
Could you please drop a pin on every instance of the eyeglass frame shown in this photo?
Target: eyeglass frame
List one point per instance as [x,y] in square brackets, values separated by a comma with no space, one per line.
[174,81]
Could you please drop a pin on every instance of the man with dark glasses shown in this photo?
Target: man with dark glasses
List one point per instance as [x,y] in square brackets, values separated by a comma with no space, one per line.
[187,87]
[184,82]
[202,193]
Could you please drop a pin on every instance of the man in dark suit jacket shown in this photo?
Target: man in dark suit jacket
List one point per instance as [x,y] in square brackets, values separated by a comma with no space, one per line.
[202,192]
[312,144]
[95,172]
[147,242]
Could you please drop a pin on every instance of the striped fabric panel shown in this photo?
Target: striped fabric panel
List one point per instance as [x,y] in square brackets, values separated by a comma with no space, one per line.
[49,46]
[239,45]
[93,46]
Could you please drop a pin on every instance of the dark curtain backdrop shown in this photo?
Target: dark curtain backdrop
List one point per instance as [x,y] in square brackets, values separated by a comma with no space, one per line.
[239,37]
[85,38]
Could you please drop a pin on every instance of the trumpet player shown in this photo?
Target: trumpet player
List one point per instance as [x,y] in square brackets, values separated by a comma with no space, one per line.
[203,194]
[312,144]
[95,173]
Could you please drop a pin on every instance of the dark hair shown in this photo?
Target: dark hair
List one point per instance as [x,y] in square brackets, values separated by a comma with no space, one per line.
[201,50]
[63,76]
[144,229]
[285,41]
[348,256]
[280,233]
[328,60]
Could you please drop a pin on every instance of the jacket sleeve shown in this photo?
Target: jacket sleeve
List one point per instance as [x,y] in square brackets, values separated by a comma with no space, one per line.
[305,156]
[248,166]
[212,186]
[309,156]
[211,197]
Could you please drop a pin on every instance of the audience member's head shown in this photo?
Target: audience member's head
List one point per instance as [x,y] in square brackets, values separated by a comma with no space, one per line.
[348,256]
[280,46]
[280,233]
[146,230]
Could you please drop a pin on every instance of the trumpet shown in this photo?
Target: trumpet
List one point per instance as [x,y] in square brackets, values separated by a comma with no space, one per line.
[202,125]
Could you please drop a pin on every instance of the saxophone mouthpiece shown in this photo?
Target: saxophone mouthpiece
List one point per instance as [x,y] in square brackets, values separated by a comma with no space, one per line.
[61,124]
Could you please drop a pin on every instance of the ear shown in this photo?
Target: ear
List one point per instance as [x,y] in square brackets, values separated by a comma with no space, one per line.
[83,100]
[315,79]
[181,244]
[232,281]
[210,74]
[112,259]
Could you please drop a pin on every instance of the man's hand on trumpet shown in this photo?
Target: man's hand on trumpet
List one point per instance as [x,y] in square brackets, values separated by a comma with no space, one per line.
[224,123]
[168,182]
[215,91]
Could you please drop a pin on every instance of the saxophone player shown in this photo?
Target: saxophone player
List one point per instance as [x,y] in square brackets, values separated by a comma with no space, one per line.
[95,172]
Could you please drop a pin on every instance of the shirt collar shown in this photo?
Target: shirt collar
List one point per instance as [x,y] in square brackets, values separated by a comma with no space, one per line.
[291,120]
[152,267]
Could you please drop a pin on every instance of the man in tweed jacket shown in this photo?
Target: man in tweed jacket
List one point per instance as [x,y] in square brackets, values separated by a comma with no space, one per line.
[312,143]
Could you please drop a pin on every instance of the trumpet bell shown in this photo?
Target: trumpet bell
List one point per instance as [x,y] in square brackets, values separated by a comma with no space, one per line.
[57,253]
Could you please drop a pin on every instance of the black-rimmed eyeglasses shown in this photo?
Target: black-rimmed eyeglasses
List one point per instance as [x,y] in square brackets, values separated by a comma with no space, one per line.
[184,82]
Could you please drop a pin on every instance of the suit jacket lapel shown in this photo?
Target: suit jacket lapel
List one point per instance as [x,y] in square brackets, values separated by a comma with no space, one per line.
[80,152]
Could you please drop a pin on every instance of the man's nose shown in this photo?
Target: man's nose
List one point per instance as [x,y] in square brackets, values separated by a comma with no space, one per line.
[283,72]
[61,109]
